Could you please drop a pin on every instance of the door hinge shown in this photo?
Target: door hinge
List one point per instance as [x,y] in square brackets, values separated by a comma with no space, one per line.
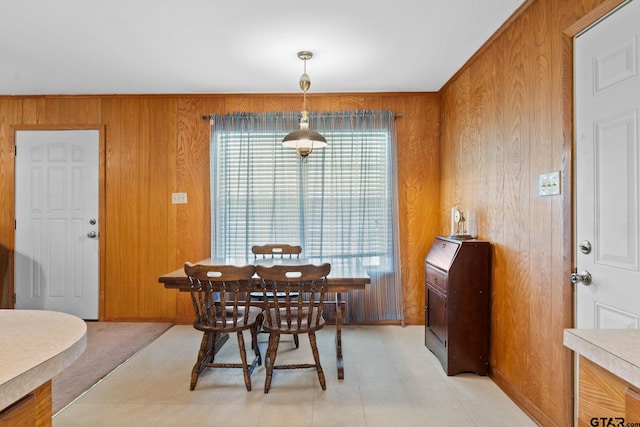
[15,224]
[14,299]
[15,150]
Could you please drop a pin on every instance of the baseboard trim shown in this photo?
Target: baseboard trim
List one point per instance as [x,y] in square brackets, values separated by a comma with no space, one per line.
[520,399]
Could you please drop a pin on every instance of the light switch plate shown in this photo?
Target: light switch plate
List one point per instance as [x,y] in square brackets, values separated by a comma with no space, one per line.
[179,198]
[549,184]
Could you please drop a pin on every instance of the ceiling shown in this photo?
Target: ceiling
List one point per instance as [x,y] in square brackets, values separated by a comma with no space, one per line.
[239,46]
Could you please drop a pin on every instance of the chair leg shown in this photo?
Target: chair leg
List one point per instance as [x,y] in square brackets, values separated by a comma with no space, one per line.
[254,344]
[274,340]
[316,357]
[296,341]
[243,357]
[205,356]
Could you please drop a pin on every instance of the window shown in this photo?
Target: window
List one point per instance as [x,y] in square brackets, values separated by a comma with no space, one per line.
[339,204]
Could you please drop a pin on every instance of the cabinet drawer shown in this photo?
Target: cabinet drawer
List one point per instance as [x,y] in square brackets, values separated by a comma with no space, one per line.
[632,404]
[436,278]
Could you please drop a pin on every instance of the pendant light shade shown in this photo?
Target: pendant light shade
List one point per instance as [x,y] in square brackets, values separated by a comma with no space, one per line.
[304,140]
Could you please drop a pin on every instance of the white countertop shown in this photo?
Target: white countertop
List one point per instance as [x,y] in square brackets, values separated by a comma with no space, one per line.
[616,350]
[36,345]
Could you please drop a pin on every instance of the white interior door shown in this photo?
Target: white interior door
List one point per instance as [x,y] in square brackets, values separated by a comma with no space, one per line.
[607,96]
[56,243]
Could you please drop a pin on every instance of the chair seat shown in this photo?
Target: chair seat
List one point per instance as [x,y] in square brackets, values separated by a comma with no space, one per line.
[270,323]
[229,326]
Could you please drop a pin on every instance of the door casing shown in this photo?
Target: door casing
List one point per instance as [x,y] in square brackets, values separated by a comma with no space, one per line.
[102,230]
[567,177]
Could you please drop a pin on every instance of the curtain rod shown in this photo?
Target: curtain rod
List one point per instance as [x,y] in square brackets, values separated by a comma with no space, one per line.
[395,115]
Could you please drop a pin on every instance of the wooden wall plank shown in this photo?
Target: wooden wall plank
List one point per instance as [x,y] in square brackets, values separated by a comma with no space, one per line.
[418,185]
[157,145]
[114,286]
[130,240]
[10,114]
[193,178]
[30,110]
[149,205]
[69,111]
[51,112]
[542,208]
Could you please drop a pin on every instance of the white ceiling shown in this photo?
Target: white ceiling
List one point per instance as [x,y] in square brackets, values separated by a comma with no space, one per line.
[239,46]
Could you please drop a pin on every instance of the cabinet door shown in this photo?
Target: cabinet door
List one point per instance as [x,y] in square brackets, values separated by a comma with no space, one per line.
[437,314]
[21,413]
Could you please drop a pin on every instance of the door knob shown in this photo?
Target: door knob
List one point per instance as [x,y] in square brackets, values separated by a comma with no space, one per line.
[92,234]
[584,277]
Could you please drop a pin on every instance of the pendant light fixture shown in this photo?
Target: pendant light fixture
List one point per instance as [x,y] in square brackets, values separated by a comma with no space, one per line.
[304,140]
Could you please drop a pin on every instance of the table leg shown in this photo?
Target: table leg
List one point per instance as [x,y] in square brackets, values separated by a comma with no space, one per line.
[339,360]
[222,338]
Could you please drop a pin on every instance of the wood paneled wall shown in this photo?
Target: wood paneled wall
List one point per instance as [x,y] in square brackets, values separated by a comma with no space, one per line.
[156,145]
[501,121]
[506,119]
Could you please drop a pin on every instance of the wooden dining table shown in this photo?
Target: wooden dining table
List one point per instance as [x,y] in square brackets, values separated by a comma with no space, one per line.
[346,274]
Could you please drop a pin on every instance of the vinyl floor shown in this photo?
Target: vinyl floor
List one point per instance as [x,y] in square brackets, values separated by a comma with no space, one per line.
[391,379]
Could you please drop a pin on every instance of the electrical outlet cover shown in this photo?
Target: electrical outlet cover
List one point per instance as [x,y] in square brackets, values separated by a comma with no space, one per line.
[179,198]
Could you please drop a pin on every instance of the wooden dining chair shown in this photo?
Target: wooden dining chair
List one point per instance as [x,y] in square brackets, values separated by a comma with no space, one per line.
[274,251]
[289,315]
[220,295]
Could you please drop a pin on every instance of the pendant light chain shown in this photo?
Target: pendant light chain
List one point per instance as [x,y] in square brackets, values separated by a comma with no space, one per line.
[304,140]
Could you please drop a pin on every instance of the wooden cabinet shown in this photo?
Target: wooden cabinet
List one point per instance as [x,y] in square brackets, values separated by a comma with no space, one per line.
[33,409]
[604,398]
[457,303]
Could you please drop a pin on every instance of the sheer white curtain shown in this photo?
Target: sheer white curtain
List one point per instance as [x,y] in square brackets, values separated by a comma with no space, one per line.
[340,204]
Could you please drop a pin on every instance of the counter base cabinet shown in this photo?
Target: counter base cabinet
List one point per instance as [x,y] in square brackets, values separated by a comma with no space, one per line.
[32,410]
[457,304]
[603,396]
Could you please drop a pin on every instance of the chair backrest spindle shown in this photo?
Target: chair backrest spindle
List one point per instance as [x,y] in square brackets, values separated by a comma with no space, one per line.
[276,250]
